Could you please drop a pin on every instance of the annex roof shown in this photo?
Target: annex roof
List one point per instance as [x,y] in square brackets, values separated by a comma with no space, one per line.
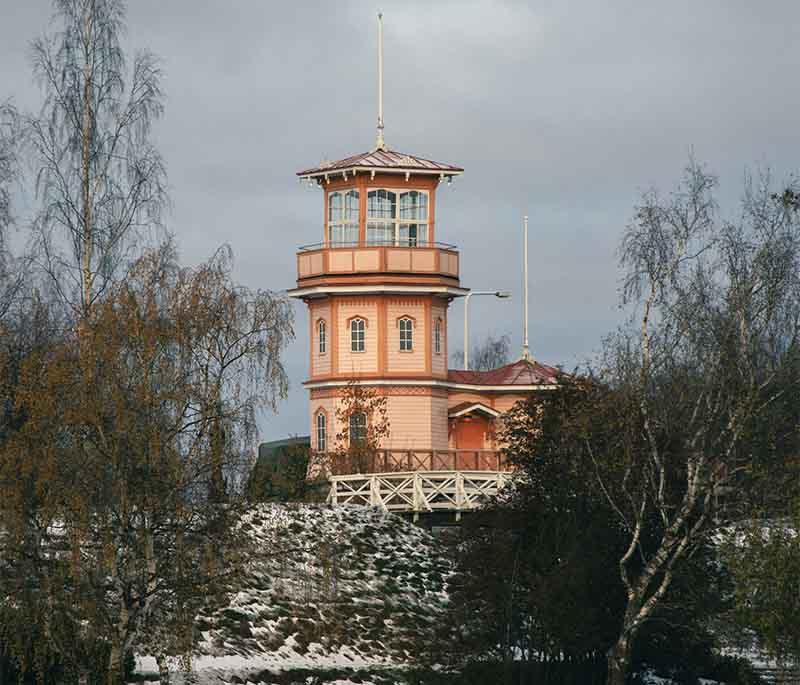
[382,160]
[464,408]
[522,372]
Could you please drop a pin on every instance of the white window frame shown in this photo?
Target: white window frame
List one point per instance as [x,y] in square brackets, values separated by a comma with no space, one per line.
[322,336]
[405,325]
[345,223]
[358,335]
[322,431]
[396,222]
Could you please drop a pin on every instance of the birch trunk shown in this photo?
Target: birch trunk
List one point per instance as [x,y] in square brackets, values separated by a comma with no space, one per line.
[619,661]
[86,152]
[163,669]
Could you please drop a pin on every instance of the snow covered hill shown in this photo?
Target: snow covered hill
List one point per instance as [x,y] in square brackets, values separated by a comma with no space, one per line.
[340,591]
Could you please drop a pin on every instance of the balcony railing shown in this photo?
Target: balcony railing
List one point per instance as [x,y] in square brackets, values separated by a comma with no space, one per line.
[347,259]
[409,242]
[390,461]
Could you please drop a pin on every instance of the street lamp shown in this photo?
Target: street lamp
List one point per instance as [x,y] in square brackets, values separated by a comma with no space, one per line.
[502,294]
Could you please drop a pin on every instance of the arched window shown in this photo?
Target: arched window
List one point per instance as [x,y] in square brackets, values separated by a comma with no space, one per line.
[322,431]
[406,335]
[343,218]
[322,336]
[358,427]
[437,336]
[357,328]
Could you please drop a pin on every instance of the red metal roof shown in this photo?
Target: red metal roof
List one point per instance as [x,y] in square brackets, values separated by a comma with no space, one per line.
[384,159]
[522,372]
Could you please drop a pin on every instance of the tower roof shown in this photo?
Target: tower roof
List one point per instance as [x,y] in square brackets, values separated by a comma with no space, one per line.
[383,161]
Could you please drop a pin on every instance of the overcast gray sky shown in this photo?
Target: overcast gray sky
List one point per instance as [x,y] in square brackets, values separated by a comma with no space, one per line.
[563,110]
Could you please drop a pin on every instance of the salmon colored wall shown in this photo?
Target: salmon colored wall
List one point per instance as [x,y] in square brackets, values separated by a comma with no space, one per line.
[417,417]
[349,362]
[459,396]
[439,361]
[409,427]
[439,438]
[382,356]
[502,402]
[320,363]
[397,361]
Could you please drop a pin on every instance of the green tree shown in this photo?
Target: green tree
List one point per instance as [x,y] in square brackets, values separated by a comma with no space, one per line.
[764,557]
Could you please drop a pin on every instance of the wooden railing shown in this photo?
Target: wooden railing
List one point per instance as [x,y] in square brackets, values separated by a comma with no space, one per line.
[392,460]
[430,259]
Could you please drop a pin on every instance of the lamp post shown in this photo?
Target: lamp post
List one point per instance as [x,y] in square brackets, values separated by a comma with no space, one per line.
[502,294]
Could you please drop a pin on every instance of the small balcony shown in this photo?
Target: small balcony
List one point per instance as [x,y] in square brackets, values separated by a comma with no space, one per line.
[323,261]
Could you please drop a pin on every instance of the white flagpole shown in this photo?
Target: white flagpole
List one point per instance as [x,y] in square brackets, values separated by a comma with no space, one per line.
[526,354]
[379,144]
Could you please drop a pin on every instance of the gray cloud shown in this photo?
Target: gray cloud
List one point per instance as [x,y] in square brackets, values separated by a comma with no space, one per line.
[562,110]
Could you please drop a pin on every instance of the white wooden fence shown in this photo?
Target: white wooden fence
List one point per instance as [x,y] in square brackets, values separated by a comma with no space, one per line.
[418,491]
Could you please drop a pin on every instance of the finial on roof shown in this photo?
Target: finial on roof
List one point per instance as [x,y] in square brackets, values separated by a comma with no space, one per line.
[526,353]
[379,143]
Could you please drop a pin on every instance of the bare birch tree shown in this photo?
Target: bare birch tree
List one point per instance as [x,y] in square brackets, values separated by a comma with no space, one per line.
[8,164]
[490,354]
[714,336]
[11,275]
[100,180]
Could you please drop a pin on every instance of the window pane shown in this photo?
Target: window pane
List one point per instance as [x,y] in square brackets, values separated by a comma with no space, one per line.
[414,205]
[380,233]
[322,437]
[358,427]
[335,207]
[322,337]
[413,235]
[357,335]
[381,204]
[351,206]
[350,234]
[406,340]
[334,233]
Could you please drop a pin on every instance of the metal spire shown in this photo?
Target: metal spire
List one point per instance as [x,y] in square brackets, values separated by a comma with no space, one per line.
[379,143]
[526,353]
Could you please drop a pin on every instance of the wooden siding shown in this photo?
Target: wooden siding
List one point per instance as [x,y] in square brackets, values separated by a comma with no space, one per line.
[405,362]
[320,363]
[350,362]
[439,361]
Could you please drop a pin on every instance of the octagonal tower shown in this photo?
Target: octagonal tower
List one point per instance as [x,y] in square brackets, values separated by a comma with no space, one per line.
[378,286]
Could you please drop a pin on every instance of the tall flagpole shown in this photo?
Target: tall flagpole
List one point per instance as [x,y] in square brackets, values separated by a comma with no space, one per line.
[526,354]
[379,143]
